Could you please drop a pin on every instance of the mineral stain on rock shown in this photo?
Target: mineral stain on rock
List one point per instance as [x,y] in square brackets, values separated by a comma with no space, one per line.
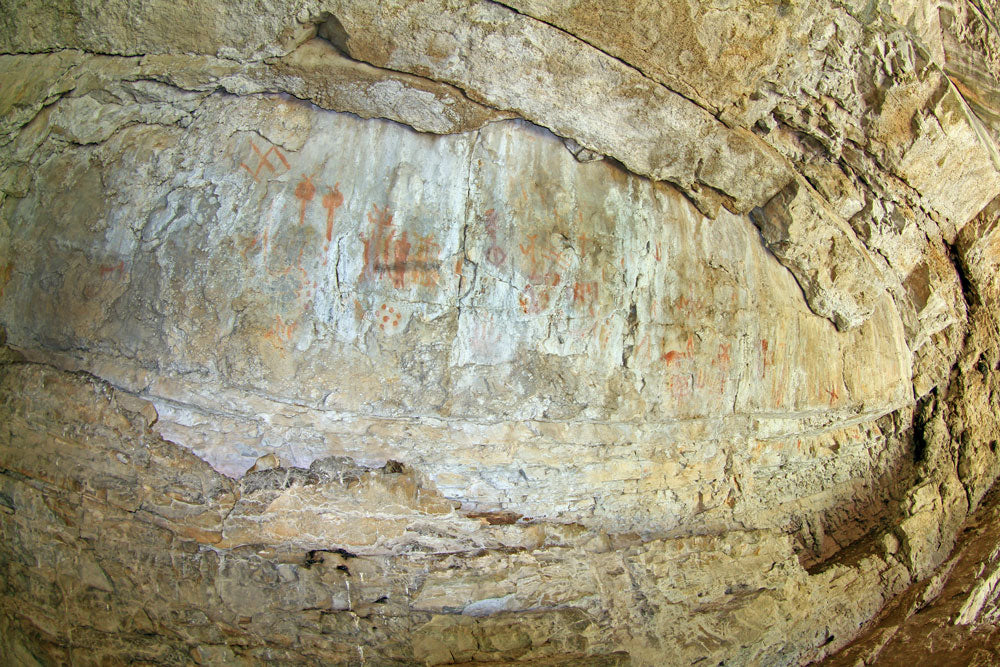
[327,336]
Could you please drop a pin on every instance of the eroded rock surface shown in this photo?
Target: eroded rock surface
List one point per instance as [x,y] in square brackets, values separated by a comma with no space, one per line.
[332,337]
[951,618]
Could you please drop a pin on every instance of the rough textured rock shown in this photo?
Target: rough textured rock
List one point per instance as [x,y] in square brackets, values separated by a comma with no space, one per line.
[952,618]
[837,277]
[332,338]
[593,306]
[104,567]
[556,80]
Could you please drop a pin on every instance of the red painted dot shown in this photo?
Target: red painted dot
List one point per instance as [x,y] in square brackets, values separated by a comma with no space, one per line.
[383,306]
[385,319]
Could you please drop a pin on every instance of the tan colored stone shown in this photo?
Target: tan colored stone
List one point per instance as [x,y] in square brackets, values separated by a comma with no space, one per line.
[316,71]
[716,55]
[553,79]
[294,386]
[832,267]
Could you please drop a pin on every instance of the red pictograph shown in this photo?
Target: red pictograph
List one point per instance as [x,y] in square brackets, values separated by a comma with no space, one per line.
[263,162]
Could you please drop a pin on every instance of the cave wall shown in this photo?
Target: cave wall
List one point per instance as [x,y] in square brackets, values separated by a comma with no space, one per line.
[469,331]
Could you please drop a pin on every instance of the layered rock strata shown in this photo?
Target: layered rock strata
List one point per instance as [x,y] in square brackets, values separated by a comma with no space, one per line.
[331,337]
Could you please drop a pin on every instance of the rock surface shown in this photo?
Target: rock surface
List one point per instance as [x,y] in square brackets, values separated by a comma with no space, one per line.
[332,338]
[951,619]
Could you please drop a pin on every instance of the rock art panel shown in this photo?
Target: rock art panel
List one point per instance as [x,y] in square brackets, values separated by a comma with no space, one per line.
[285,383]
[346,287]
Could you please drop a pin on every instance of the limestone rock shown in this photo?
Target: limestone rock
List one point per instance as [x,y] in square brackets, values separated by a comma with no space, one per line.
[573,90]
[323,271]
[718,56]
[316,71]
[951,618]
[479,595]
[971,55]
[832,267]
[26,91]
[925,129]
[327,336]
[123,27]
